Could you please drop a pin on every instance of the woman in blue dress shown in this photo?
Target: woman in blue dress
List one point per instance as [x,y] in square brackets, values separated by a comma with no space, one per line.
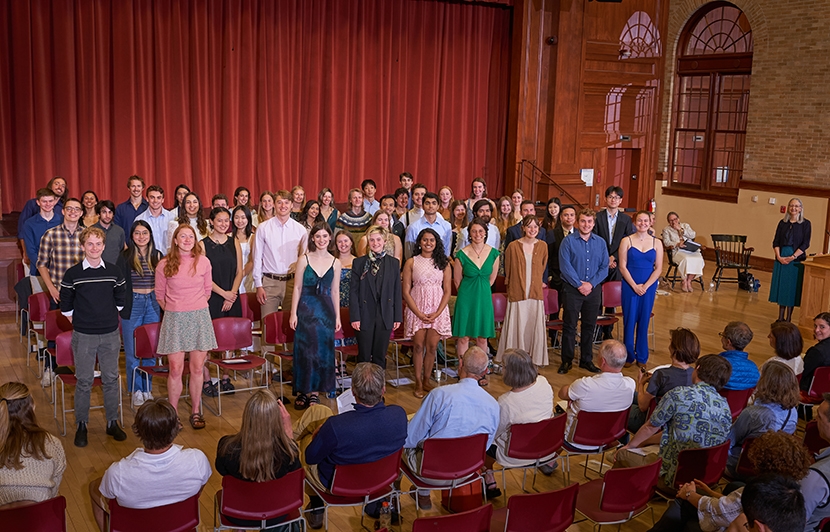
[641,263]
[792,238]
[317,300]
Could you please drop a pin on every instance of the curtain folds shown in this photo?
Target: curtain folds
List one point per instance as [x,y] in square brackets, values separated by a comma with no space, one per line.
[260,93]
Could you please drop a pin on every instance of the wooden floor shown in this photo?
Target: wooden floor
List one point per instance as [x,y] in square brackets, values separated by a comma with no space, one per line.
[704,313]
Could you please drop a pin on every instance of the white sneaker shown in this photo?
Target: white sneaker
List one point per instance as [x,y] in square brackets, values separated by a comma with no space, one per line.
[47,378]
[148,396]
[138,398]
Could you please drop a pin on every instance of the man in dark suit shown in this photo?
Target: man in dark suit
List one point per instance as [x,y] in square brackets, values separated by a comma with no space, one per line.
[375,304]
[514,232]
[613,225]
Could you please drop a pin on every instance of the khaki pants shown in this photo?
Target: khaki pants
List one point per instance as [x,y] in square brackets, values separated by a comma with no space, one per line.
[304,429]
[278,294]
[629,458]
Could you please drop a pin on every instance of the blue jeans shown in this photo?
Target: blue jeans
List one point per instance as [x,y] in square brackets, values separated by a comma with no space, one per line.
[145,310]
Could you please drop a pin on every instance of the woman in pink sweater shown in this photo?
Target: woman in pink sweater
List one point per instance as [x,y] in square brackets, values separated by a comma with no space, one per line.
[183,287]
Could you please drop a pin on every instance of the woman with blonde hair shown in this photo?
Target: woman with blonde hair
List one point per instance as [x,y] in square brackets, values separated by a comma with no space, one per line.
[503,217]
[393,245]
[262,450]
[32,461]
[297,202]
[184,283]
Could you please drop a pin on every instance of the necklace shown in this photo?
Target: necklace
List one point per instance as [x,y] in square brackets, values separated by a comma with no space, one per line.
[478,253]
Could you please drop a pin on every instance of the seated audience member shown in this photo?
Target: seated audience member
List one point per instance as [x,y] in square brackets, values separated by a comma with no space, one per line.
[785,339]
[816,485]
[773,503]
[684,349]
[529,400]
[776,399]
[158,474]
[734,338]
[262,450]
[689,263]
[607,391]
[817,356]
[691,417]
[453,411]
[366,434]
[697,507]
[32,461]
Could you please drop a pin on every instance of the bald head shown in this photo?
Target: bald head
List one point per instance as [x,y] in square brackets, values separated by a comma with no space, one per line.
[613,354]
[474,362]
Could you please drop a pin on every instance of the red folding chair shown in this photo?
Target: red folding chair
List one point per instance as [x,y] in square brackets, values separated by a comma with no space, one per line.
[398,339]
[258,501]
[279,334]
[475,520]
[360,484]
[737,399]
[454,460]
[818,386]
[620,496]
[499,308]
[611,297]
[598,430]
[252,310]
[146,338]
[36,315]
[813,440]
[744,469]
[54,324]
[345,351]
[65,357]
[177,517]
[706,464]
[534,441]
[551,299]
[45,516]
[551,511]
[233,334]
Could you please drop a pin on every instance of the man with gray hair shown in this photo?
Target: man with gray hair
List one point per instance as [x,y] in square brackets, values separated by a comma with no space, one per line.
[453,411]
[368,433]
[734,338]
[608,391]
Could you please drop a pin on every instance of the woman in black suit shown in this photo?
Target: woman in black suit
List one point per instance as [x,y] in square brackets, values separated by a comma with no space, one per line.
[375,299]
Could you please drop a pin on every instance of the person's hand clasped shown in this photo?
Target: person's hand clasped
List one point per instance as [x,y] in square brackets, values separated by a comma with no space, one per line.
[585,288]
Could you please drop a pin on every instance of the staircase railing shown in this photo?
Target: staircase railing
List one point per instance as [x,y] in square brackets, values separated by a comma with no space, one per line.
[529,172]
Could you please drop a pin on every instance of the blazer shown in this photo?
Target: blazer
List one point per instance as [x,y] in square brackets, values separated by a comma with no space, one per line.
[622,229]
[514,232]
[515,271]
[554,239]
[361,301]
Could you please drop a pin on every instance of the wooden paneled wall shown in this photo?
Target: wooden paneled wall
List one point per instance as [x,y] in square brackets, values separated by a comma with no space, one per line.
[584,75]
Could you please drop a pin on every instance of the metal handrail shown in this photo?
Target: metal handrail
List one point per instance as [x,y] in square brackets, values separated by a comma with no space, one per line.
[547,177]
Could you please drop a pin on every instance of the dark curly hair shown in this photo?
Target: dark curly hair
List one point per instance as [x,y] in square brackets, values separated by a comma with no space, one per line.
[439,256]
[780,453]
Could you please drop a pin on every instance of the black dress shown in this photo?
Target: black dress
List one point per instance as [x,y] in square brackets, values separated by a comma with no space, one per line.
[222,259]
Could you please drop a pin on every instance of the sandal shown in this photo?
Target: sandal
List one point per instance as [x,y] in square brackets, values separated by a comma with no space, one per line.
[419,394]
[313,400]
[301,402]
[226,386]
[483,382]
[492,490]
[209,389]
[197,421]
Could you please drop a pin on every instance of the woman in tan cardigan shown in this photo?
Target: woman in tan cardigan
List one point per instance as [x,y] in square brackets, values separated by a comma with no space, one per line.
[525,266]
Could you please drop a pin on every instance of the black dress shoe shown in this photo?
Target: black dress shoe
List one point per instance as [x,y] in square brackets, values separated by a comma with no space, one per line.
[80,435]
[564,368]
[589,366]
[115,431]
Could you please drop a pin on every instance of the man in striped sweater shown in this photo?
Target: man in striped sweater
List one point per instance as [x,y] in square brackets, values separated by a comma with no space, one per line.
[92,294]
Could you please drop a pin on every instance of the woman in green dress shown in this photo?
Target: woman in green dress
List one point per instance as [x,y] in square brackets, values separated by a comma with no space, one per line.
[474,270]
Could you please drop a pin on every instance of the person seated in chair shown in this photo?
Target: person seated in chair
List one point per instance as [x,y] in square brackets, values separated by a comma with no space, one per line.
[690,417]
[366,434]
[607,391]
[159,474]
[453,411]
[745,374]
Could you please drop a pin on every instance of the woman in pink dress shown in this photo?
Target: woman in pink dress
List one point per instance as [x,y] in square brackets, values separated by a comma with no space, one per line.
[426,291]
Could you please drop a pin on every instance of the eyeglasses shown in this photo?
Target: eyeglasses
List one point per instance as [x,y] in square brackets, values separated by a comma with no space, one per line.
[73,209]
[613,197]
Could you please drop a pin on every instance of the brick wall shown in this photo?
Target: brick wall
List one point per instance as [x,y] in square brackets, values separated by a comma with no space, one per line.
[788,130]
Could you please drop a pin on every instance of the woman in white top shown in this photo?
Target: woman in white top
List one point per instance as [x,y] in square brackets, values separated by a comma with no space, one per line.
[529,400]
[191,215]
[243,229]
[785,339]
[689,263]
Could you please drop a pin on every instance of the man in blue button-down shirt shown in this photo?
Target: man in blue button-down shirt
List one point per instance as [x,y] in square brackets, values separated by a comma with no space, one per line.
[583,262]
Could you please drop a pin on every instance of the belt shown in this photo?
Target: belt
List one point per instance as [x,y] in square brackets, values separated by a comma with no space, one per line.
[277,277]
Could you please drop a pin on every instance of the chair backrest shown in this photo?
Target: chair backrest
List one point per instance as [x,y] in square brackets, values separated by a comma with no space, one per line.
[45,516]
[258,501]
[276,328]
[55,324]
[745,469]
[63,349]
[813,440]
[500,285]
[551,301]
[232,333]
[598,429]
[360,480]
[820,383]
[499,306]
[38,306]
[705,464]
[177,517]
[531,441]
[346,330]
[251,308]
[475,520]
[737,400]
[552,511]
[453,458]
[729,249]
[146,339]
[629,489]
[612,294]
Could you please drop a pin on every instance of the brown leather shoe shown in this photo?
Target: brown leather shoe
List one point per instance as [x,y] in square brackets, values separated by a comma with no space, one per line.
[424,501]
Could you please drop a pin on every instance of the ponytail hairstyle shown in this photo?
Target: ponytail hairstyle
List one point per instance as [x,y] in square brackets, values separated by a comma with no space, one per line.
[19,432]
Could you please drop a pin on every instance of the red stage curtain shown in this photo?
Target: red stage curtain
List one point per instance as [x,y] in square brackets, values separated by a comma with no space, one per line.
[260,93]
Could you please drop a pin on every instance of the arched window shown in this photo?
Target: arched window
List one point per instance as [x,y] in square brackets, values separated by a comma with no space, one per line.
[714,66]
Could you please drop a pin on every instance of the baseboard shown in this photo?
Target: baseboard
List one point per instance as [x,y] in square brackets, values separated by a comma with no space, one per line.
[758,263]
